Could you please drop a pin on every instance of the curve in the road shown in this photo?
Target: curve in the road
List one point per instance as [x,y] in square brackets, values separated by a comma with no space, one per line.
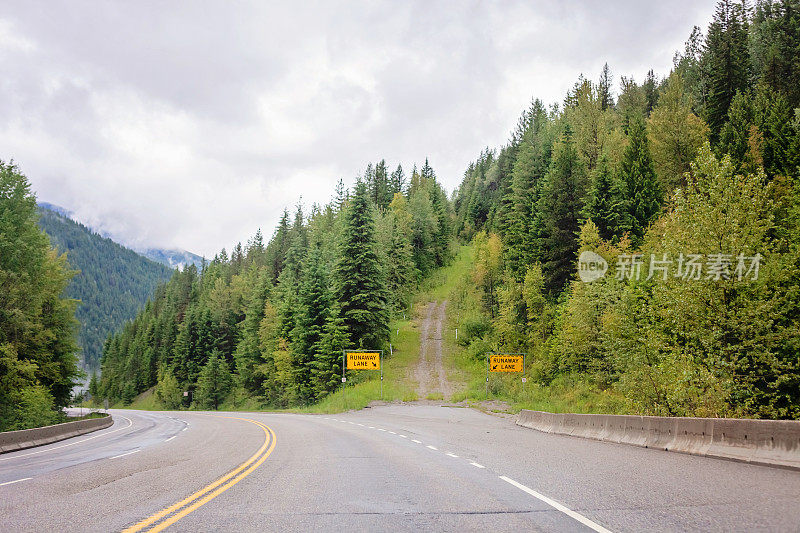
[175,512]
[105,433]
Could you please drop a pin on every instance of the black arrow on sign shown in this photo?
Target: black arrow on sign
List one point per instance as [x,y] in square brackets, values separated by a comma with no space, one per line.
[494,367]
[374,363]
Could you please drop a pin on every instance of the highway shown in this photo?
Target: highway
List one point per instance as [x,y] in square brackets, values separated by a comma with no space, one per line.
[388,468]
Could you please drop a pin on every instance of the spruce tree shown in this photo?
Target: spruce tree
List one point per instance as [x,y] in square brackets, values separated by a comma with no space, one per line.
[310,319]
[606,205]
[560,206]
[327,366]
[359,278]
[214,382]
[528,170]
[604,89]
[727,61]
[650,87]
[397,182]
[644,194]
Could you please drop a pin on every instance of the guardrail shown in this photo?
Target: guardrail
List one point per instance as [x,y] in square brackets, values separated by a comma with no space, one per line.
[761,442]
[28,438]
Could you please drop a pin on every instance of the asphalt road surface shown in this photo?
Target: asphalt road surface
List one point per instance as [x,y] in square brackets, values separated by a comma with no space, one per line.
[389,468]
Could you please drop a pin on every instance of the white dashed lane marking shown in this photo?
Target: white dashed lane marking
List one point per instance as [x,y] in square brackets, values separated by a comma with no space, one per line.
[552,503]
[555,505]
[124,454]
[15,481]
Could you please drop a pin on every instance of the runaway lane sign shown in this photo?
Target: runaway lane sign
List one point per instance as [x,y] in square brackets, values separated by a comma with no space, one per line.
[363,360]
[506,363]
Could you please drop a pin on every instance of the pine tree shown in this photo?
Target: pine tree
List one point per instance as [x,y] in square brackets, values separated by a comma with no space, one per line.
[529,168]
[606,205]
[214,382]
[560,204]
[727,61]
[604,89]
[359,279]
[279,246]
[644,194]
[398,181]
[327,365]
[401,270]
[310,319]
[650,87]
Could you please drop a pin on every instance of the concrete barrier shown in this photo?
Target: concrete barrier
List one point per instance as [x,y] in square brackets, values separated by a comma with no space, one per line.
[28,438]
[762,442]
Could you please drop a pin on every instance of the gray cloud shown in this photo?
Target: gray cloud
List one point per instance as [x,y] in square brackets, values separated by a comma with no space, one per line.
[191,124]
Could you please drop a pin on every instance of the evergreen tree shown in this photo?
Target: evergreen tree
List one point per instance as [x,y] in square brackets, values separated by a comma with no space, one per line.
[727,61]
[560,204]
[214,383]
[397,182]
[279,246]
[606,205]
[529,168]
[650,87]
[604,89]
[401,271]
[312,314]
[359,279]
[327,365]
[644,194]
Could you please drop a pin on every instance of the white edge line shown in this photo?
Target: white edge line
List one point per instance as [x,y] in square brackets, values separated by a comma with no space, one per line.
[130,423]
[124,454]
[15,481]
[476,465]
[555,505]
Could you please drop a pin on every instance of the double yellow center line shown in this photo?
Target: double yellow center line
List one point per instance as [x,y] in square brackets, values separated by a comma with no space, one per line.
[175,512]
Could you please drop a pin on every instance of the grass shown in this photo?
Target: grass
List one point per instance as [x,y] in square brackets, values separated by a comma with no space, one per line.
[443,281]
[365,387]
[146,401]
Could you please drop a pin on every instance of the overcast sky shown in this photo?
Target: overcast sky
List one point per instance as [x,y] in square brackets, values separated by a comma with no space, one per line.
[192,124]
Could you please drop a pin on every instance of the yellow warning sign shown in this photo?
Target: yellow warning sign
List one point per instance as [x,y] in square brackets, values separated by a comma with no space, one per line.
[363,360]
[506,363]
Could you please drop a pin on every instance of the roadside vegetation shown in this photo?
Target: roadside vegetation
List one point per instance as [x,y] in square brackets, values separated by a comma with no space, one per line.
[686,186]
[694,177]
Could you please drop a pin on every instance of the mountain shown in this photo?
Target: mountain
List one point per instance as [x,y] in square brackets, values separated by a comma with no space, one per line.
[113,284]
[174,258]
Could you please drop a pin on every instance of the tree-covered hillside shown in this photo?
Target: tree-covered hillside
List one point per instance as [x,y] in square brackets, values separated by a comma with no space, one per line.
[271,319]
[688,186]
[112,284]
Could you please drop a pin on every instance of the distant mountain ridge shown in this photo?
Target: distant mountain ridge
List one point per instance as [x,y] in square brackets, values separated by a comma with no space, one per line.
[113,284]
[171,257]
[175,258]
